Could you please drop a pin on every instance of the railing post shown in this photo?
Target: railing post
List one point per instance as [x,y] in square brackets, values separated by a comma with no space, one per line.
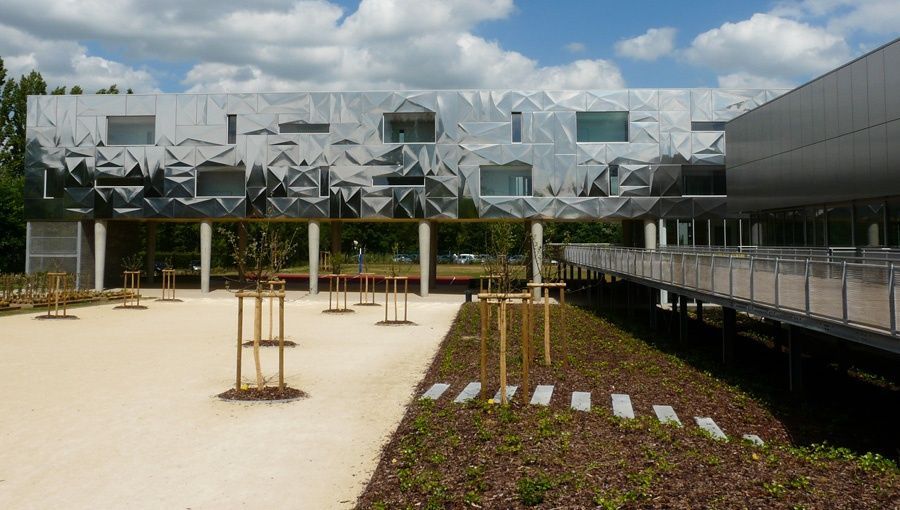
[672,268]
[731,276]
[712,274]
[806,287]
[697,271]
[892,306]
[683,271]
[751,279]
[844,290]
[776,283]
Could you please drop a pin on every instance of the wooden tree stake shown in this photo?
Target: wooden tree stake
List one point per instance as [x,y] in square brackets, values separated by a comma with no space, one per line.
[484,333]
[503,352]
[546,326]
[281,341]
[240,343]
[257,334]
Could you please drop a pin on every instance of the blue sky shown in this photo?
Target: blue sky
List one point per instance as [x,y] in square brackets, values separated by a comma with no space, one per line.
[233,45]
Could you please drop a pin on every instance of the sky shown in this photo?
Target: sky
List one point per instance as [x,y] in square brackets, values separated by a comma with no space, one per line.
[280,45]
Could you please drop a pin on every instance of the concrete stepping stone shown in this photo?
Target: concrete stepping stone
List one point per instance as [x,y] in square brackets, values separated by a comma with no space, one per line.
[622,406]
[542,395]
[581,400]
[468,393]
[666,414]
[435,392]
[510,391]
[753,438]
[710,426]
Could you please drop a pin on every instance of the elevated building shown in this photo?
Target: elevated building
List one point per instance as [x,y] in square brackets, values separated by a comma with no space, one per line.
[654,159]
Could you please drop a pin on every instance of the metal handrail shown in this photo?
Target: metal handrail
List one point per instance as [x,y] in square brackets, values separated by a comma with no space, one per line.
[808,286]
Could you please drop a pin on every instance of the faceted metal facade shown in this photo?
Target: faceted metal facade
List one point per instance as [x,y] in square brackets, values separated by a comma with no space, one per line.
[67,137]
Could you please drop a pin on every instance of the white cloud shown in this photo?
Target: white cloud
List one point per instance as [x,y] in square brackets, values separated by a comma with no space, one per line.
[67,63]
[575,47]
[780,49]
[654,43]
[742,80]
[876,17]
[296,44]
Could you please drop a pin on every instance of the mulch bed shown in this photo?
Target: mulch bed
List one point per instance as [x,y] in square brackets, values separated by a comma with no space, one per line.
[483,455]
[130,307]
[55,317]
[395,323]
[339,310]
[269,343]
[266,394]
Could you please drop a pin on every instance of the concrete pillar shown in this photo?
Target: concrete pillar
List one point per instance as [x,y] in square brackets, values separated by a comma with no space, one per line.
[654,300]
[432,260]
[873,234]
[335,237]
[682,319]
[537,254]
[151,252]
[313,235]
[205,254]
[700,312]
[729,335]
[795,360]
[649,234]
[99,253]
[424,256]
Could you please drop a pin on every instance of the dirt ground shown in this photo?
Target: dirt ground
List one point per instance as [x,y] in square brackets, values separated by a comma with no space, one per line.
[117,409]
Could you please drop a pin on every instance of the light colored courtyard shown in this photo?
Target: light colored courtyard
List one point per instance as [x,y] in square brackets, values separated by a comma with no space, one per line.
[118,409]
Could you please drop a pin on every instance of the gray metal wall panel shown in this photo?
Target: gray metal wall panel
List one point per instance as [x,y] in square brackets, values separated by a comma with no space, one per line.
[892,81]
[875,79]
[859,76]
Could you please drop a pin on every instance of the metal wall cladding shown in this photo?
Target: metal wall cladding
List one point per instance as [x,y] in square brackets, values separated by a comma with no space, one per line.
[834,139]
[287,143]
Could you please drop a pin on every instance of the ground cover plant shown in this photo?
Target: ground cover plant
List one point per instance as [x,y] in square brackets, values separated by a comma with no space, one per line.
[483,455]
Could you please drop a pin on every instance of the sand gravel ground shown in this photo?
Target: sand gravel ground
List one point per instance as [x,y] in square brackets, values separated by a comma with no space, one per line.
[117,409]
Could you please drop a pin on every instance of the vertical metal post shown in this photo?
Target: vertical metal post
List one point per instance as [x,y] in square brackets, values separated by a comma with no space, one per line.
[892,305]
[697,271]
[751,280]
[776,282]
[731,276]
[712,274]
[844,290]
[806,287]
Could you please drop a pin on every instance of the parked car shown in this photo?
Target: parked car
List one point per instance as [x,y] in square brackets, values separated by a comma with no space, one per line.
[516,259]
[446,258]
[402,258]
[194,266]
[465,258]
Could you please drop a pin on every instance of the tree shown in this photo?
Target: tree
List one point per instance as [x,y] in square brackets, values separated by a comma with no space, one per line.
[76,90]
[113,89]
[13,110]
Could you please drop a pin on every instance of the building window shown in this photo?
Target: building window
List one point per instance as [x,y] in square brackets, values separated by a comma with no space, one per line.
[409,127]
[707,126]
[232,129]
[602,126]
[699,180]
[516,118]
[613,180]
[323,181]
[114,181]
[131,130]
[506,181]
[220,182]
[304,129]
[399,180]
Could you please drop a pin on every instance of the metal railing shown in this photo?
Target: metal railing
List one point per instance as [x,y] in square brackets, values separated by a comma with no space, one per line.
[833,254]
[851,293]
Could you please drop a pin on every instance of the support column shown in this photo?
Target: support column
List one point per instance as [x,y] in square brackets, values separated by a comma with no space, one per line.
[151,252]
[424,256]
[313,235]
[649,234]
[682,319]
[654,318]
[205,254]
[873,234]
[335,238]
[795,360]
[537,255]
[99,254]
[729,334]
[700,313]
